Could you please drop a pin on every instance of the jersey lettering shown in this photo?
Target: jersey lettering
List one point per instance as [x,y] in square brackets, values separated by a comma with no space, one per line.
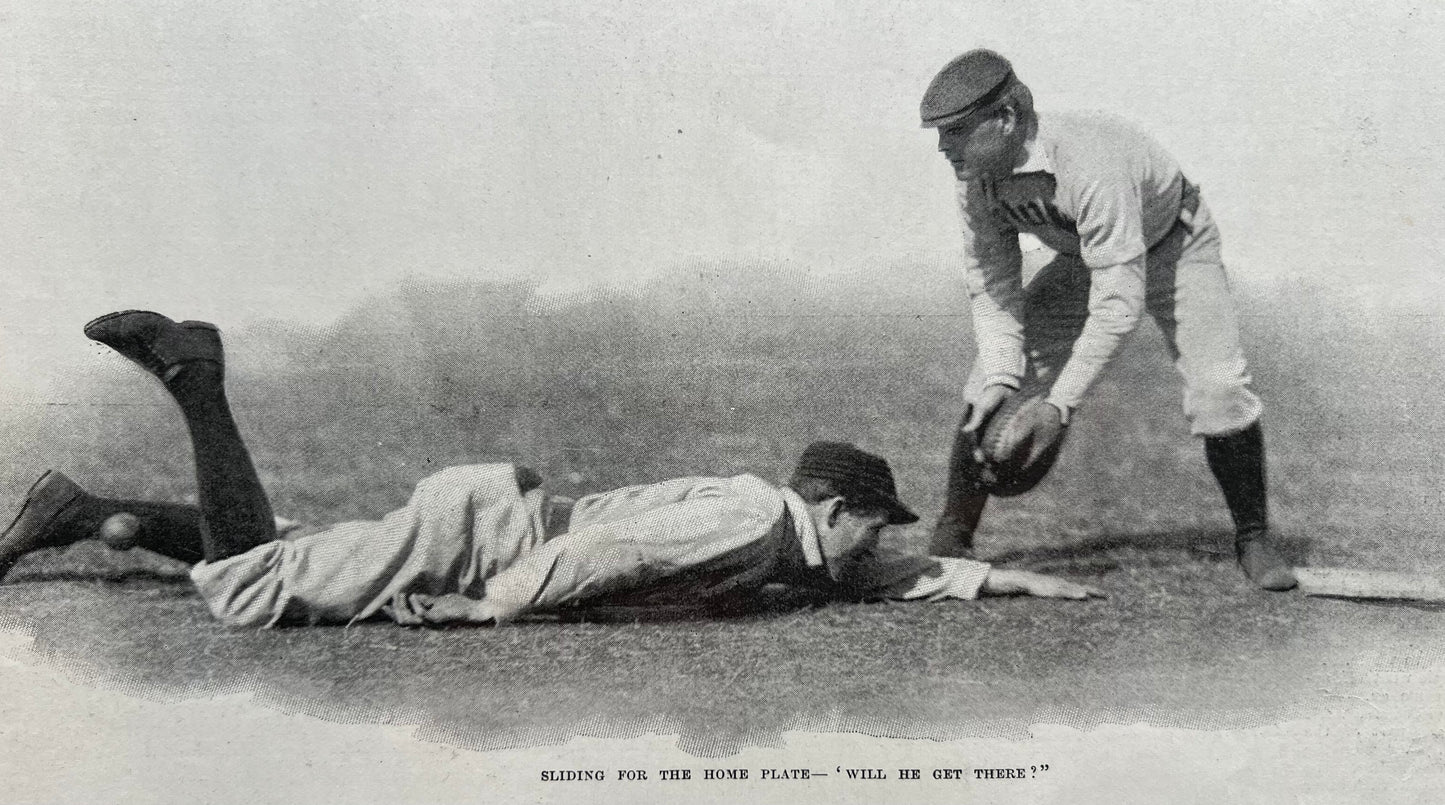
[1025,201]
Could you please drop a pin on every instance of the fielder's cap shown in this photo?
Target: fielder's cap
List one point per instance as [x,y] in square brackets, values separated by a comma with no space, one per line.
[969,82]
[860,477]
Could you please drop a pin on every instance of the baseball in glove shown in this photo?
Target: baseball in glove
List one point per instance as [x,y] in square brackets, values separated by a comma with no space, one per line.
[1014,459]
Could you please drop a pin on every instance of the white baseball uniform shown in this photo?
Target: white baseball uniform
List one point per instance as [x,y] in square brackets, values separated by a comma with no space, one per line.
[469,531]
[1131,235]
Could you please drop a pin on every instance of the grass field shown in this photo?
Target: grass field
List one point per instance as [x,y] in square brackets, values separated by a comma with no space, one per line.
[735,369]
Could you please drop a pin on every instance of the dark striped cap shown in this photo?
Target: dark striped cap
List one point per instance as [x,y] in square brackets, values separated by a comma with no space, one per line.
[971,81]
[861,477]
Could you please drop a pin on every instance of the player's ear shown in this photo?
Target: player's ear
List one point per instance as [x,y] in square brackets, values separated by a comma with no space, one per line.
[1008,117]
[833,508]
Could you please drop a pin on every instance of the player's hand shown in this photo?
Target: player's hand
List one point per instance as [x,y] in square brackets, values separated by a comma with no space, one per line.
[1023,582]
[440,610]
[1044,430]
[988,401]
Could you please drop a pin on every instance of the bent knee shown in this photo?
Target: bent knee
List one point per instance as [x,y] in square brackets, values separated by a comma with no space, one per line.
[1215,409]
[465,482]
[243,590]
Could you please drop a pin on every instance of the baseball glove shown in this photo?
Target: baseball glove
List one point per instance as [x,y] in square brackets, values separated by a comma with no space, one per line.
[1013,461]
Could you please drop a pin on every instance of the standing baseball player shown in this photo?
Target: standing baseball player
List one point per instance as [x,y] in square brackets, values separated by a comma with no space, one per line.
[1132,235]
[484,543]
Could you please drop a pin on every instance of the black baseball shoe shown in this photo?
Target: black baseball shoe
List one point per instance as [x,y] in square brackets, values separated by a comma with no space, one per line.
[156,343]
[38,524]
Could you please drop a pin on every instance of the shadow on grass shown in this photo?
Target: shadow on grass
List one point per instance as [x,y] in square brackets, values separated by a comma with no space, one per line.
[1110,551]
[180,582]
[772,602]
[1388,603]
[722,683]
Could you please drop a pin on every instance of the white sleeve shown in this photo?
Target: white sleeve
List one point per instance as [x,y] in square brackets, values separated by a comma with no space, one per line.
[993,277]
[1116,302]
[898,576]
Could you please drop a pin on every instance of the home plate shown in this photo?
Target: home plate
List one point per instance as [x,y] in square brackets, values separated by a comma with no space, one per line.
[1341,582]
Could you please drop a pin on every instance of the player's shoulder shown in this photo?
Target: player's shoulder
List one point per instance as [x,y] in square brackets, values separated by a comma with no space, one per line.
[752,485]
[1091,142]
[1086,125]
[761,496]
[744,486]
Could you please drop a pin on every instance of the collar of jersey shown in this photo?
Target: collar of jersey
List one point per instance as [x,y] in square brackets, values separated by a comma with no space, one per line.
[803,524]
[1038,160]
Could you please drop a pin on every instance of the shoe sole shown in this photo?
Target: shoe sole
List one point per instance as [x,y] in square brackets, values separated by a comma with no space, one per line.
[156,354]
[189,325]
[110,316]
[1277,585]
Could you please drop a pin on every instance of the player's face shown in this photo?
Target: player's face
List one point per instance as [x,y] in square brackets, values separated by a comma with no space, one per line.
[980,145]
[850,535]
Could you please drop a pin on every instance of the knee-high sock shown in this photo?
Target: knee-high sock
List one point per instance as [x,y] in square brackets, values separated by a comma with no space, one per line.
[235,510]
[1237,461]
[963,499]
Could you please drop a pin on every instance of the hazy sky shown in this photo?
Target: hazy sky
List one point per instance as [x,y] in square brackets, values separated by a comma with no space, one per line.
[236,161]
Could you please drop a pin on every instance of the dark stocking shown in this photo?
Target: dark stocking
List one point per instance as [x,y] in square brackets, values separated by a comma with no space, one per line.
[234,507]
[1237,461]
[963,501]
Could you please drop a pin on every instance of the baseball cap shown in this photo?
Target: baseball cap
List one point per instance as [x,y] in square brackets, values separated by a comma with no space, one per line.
[969,82]
[860,477]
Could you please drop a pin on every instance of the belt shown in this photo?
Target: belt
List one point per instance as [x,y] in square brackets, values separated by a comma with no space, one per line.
[556,515]
[1188,206]
[1188,202]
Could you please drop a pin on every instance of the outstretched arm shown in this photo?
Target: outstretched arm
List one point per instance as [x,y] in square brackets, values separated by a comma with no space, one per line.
[948,578]
[887,574]
[1023,582]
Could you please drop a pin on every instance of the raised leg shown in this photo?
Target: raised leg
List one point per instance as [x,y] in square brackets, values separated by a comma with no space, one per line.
[188,359]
